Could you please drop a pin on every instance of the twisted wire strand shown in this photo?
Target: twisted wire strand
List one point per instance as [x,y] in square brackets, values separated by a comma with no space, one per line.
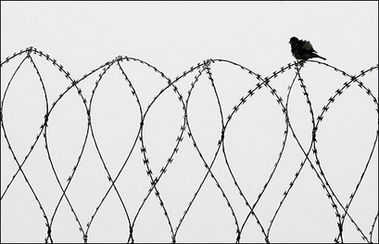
[43,128]
[263,82]
[208,72]
[331,195]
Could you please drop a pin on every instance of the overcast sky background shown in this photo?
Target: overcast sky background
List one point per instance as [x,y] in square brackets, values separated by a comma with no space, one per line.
[173,36]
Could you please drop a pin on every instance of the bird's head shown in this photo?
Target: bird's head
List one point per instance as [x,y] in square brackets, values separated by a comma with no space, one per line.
[293,40]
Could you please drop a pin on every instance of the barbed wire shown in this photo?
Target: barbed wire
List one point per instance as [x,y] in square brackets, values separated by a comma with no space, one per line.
[202,70]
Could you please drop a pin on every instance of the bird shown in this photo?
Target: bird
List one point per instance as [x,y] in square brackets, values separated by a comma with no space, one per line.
[303,50]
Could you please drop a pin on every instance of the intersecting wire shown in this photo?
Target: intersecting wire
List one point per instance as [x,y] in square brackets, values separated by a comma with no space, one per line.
[201,68]
[330,193]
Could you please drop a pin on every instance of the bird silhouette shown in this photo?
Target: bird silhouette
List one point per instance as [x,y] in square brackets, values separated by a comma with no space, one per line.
[303,50]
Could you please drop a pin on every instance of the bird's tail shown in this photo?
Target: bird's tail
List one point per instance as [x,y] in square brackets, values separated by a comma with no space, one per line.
[318,56]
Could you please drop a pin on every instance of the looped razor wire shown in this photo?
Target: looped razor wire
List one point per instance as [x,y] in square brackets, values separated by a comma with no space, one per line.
[201,71]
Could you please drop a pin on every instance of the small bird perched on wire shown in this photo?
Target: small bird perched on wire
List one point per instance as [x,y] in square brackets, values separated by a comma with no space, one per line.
[303,50]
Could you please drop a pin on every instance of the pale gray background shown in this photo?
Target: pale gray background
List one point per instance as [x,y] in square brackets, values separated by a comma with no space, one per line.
[173,36]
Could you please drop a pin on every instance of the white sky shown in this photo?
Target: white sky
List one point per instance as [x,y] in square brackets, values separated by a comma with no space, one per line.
[173,36]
